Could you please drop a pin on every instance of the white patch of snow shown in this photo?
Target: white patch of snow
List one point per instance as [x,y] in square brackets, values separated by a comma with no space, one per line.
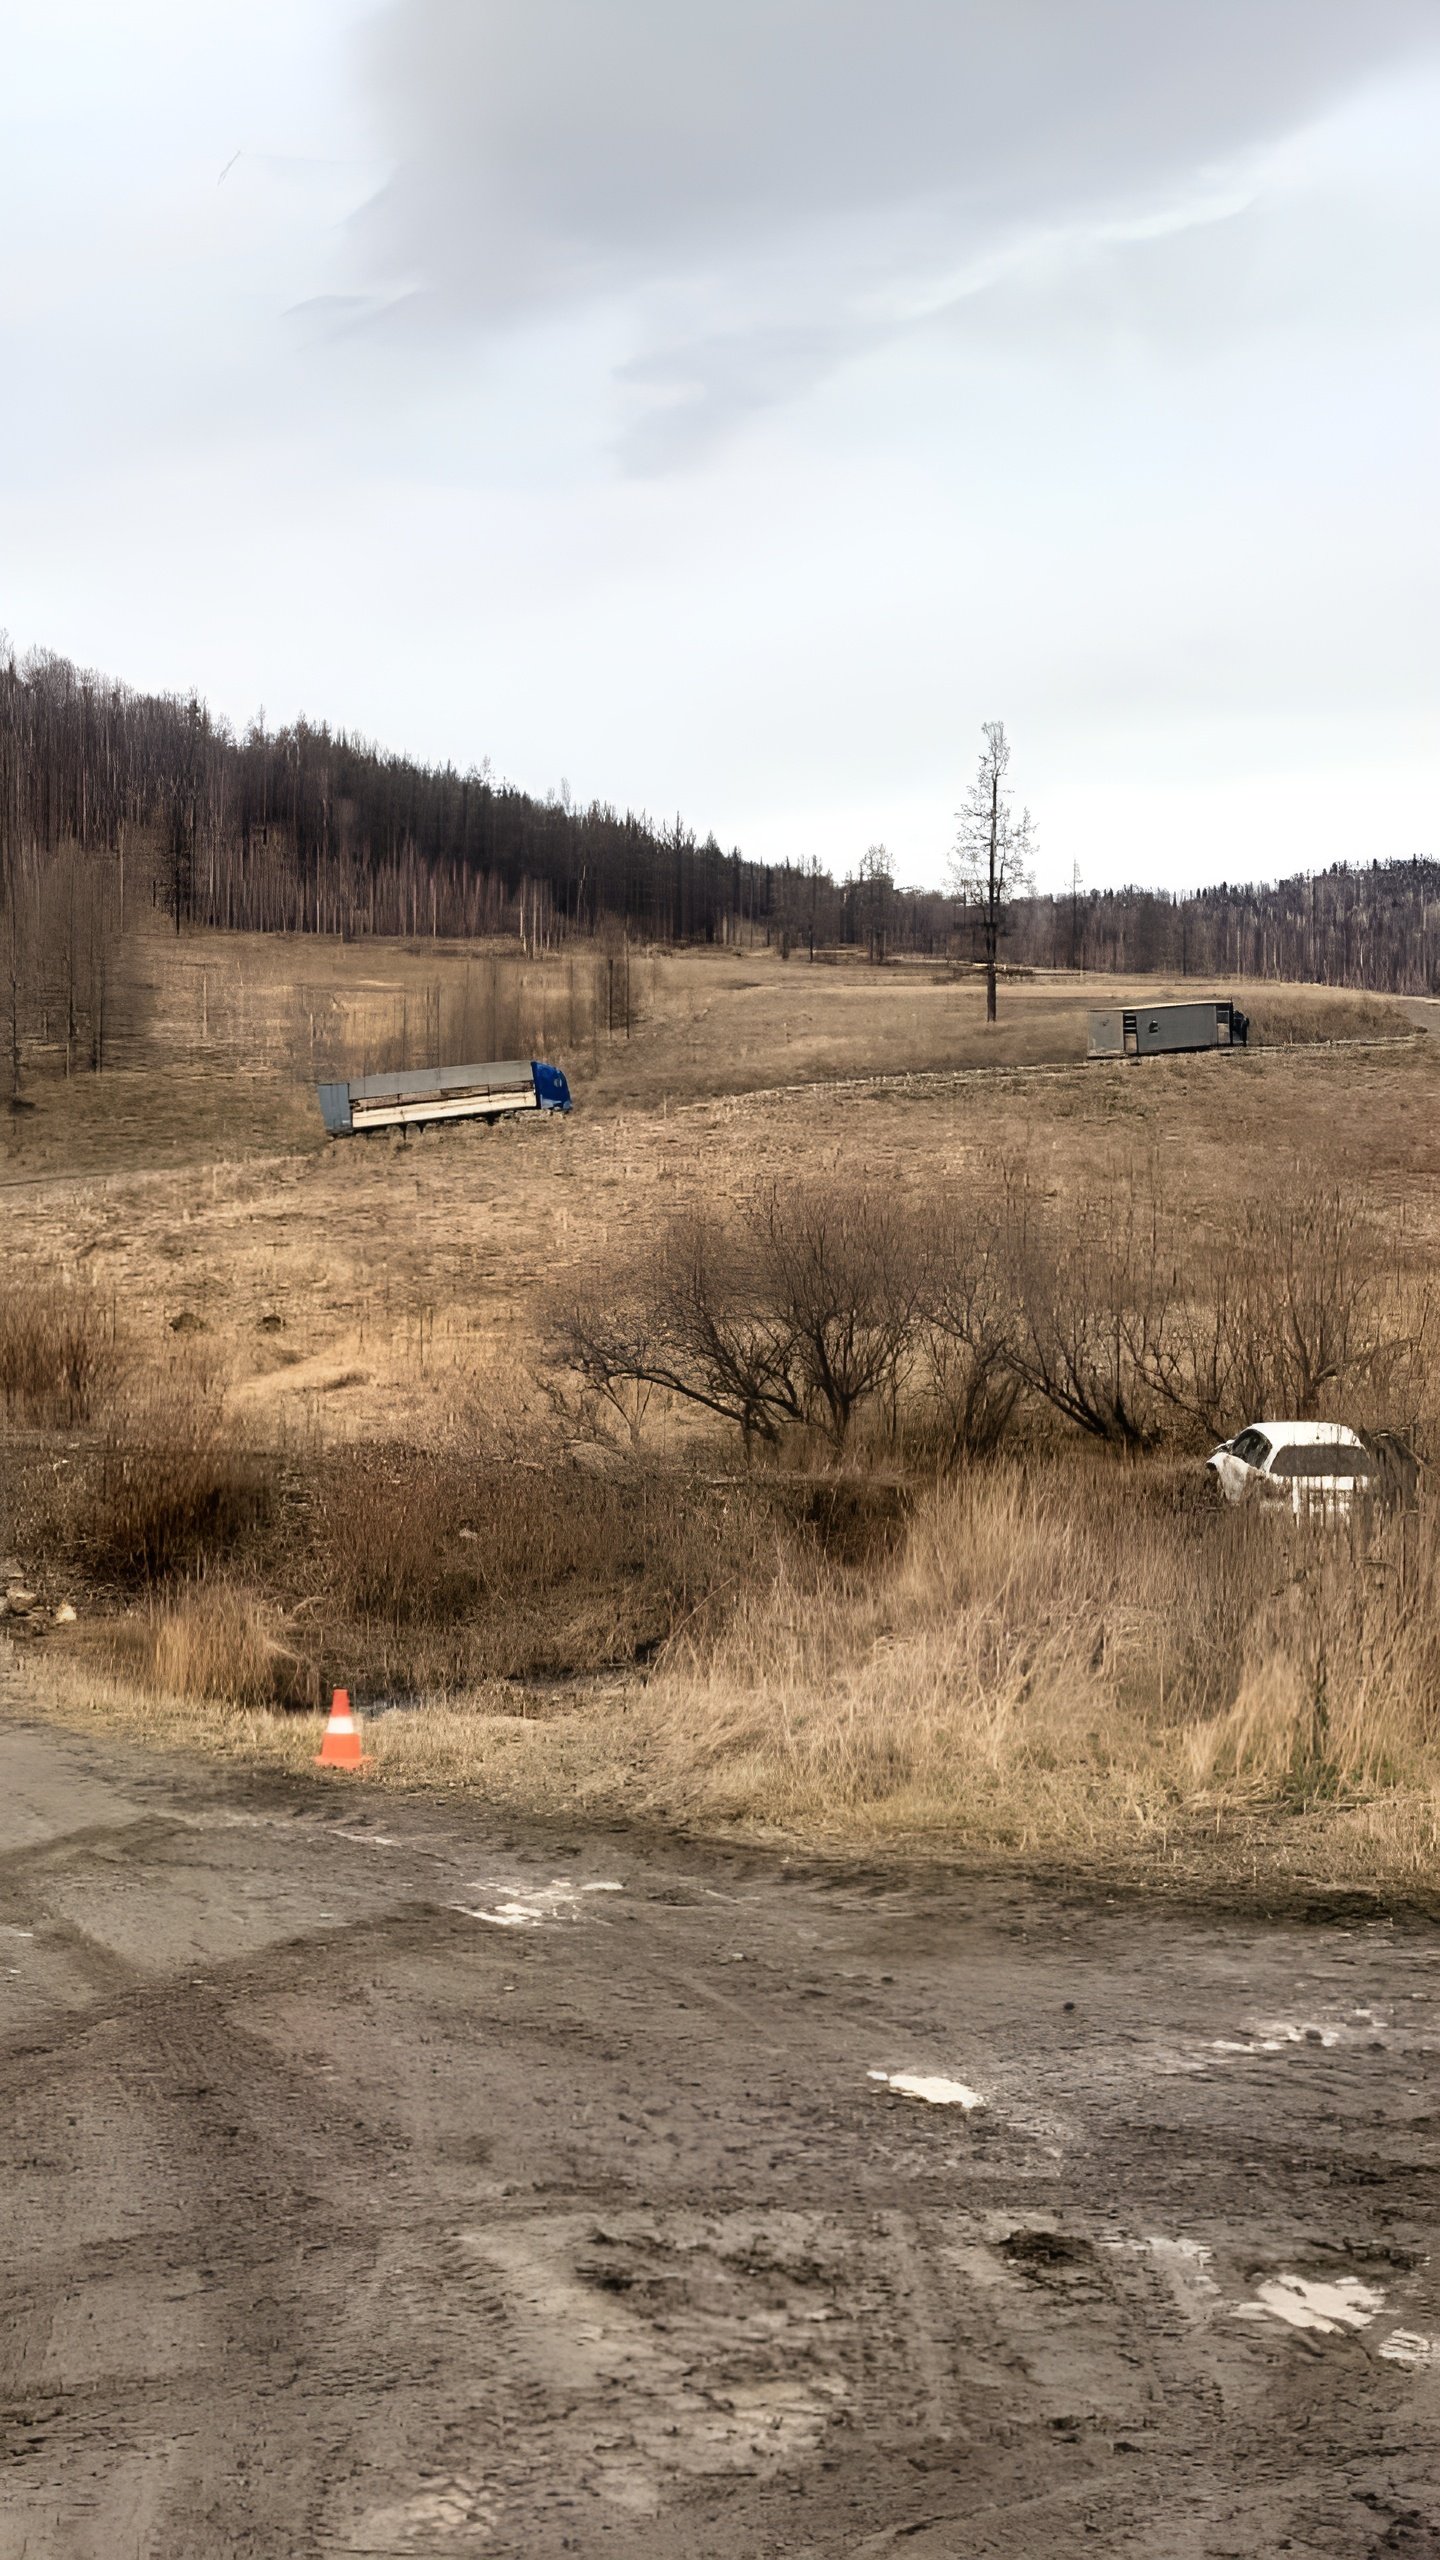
[1278,2037]
[1300,2304]
[1408,2347]
[530,1906]
[934,2092]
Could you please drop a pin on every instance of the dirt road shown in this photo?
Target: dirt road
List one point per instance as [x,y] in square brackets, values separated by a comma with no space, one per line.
[374,2182]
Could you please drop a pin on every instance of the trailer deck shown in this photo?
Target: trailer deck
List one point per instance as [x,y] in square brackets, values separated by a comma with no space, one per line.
[408,1097]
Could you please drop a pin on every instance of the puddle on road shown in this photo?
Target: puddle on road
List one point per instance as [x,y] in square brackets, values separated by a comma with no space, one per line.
[1325,2308]
[932,2091]
[706,2325]
[530,1906]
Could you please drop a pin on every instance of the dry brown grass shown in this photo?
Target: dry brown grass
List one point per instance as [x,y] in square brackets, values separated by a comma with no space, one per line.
[60,1355]
[1282,1017]
[1064,1659]
[490,1558]
[207,1641]
[231,1032]
[215,1569]
[1048,1666]
[160,1490]
[1065,1668]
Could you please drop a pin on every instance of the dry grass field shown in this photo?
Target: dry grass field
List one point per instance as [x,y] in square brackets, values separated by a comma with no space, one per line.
[323,1430]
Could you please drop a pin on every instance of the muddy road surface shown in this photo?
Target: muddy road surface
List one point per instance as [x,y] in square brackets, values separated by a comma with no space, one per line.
[375,2181]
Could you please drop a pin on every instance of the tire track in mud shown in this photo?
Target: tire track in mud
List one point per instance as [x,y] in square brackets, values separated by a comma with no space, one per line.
[230,2145]
[344,2223]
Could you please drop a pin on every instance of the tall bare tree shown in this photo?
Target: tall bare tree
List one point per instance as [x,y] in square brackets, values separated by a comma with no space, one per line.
[876,900]
[991,863]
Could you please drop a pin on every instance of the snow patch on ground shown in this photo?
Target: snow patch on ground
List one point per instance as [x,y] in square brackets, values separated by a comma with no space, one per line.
[530,1906]
[1326,2308]
[1278,2036]
[1408,2347]
[933,2091]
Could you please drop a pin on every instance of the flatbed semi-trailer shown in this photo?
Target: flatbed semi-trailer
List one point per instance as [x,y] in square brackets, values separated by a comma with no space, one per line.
[409,1097]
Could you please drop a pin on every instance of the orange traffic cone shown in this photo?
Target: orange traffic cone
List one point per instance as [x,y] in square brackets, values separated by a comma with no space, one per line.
[341,1746]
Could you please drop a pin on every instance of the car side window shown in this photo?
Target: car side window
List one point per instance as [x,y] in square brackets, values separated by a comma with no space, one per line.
[1324,1458]
[1252,1448]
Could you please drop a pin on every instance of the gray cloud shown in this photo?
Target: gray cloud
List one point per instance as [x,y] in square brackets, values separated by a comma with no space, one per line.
[770,184]
[692,393]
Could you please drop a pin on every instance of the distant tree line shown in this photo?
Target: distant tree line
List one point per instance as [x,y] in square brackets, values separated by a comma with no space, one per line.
[306,829]
[1370,925]
[113,800]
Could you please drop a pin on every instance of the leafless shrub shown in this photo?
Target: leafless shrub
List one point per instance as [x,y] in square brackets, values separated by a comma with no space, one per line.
[1331,1305]
[1304,1300]
[844,1271]
[967,1404]
[603,1412]
[1091,1308]
[970,1381]
[799,1313]
[686,1317]
[1107,1303]
[499,1559]
[1130,1316]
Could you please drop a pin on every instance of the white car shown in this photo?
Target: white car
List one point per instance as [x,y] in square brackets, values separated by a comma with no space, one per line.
[1303,1467]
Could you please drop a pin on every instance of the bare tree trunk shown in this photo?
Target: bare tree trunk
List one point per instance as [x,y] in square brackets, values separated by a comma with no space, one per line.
[992,902]
[72,957]
[13,991]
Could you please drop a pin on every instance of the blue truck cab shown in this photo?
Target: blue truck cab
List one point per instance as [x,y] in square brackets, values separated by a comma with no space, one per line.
[552,1093]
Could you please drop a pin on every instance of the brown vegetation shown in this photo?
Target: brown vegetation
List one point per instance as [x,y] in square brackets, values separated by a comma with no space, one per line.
[493,1553]
[1117,1308]
[968,1585]
[1047,1652]
[58,1348]
[1284,1017]
[1064,1664]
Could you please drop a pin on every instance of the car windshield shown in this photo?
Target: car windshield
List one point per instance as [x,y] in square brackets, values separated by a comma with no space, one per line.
[1252,1448]
[1328,1458]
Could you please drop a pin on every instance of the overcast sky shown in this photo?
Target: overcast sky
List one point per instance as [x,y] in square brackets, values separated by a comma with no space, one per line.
[726,405]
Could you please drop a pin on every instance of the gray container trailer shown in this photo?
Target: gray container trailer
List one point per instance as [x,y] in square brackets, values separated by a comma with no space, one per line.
[1165,1030]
